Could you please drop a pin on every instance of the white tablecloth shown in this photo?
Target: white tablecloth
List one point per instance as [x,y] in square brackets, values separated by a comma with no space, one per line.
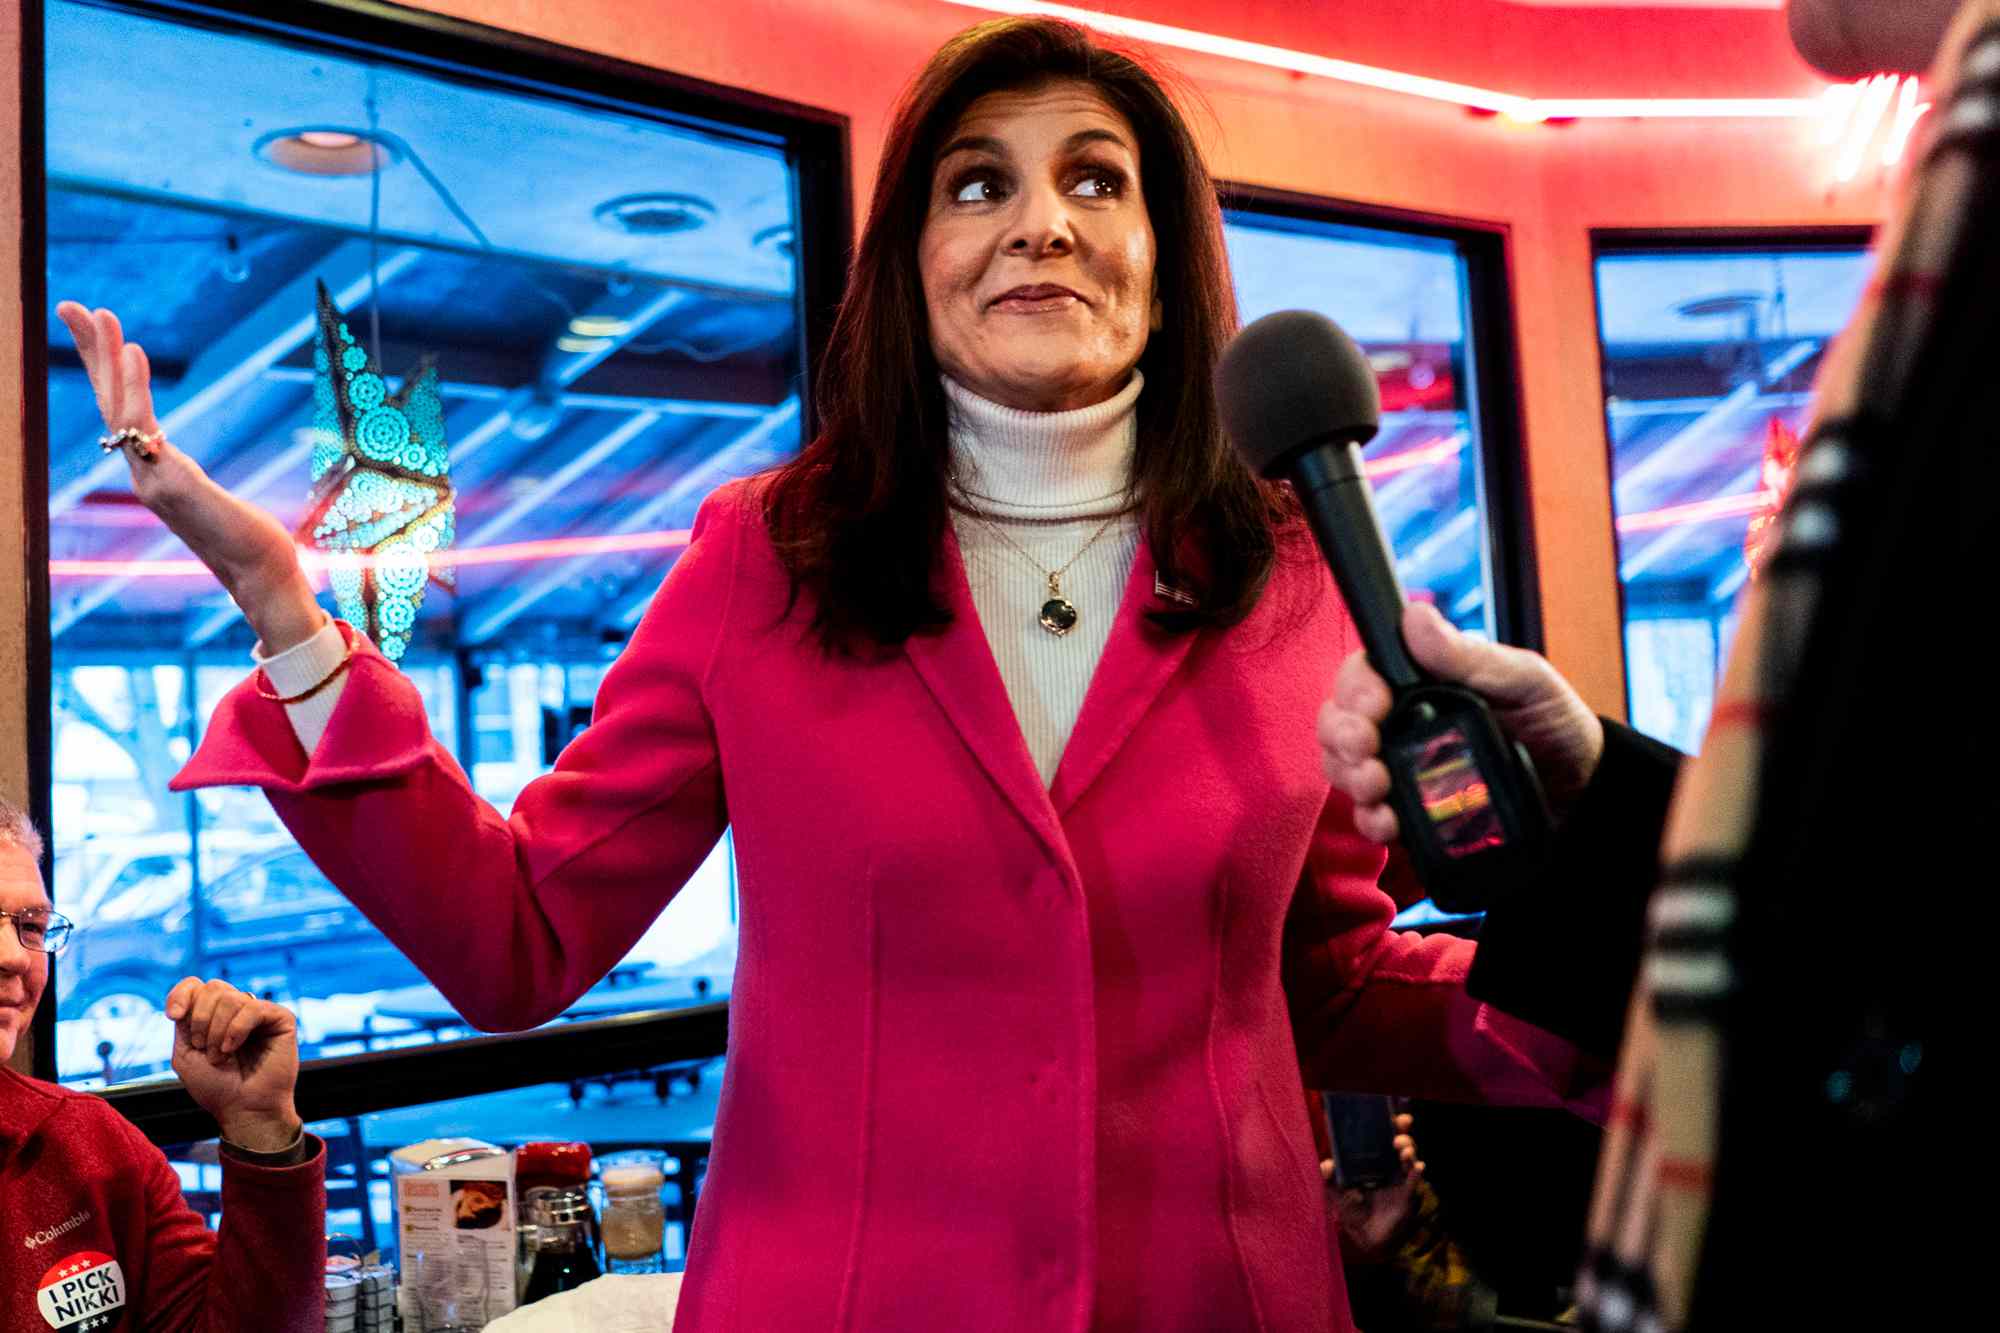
[614,1303]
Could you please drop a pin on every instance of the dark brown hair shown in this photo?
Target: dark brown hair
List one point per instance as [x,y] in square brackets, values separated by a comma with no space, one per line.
[859,517]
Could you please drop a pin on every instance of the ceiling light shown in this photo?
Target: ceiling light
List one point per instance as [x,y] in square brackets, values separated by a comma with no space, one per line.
[600,326]
[570,342]
[1873,116]
[655,213]
[1511,105]
[326,150]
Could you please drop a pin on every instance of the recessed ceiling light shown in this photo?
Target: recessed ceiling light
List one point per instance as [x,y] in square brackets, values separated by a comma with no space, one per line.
[655,213]
[600,326]
[569,342]
[326,150]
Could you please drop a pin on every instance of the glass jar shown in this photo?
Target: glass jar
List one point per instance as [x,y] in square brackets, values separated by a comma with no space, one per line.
[635,1220]
[448,1290]
[565,1257]
[535,1165]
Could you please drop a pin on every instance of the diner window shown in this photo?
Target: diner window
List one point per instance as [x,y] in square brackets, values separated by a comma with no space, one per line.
[1709,357]
[663,1109]
[619,308]
[1424,303]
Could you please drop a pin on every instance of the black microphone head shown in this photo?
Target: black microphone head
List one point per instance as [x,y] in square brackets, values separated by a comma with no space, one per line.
[1294,379]
[1851,39]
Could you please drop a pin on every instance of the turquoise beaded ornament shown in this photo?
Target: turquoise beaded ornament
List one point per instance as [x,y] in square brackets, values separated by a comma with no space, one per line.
[381,499]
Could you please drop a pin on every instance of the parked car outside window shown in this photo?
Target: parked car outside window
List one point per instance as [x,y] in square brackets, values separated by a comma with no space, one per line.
[271,924]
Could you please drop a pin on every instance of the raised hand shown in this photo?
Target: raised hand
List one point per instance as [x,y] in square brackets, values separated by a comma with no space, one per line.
[249,551]
[1531,702]
[239,1057]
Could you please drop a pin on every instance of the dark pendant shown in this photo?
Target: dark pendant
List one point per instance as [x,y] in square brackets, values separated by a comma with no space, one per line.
[1058,616]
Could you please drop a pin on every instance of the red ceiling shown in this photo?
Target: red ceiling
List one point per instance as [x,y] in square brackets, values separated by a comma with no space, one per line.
[1537,50]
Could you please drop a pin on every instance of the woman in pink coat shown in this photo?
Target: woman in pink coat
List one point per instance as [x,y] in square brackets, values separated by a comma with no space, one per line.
[1007,688]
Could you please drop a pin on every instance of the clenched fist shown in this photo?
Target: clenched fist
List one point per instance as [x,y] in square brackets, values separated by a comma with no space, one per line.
[239,1057]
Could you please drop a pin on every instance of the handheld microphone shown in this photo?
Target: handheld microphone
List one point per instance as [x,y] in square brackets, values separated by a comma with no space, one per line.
[1299,400]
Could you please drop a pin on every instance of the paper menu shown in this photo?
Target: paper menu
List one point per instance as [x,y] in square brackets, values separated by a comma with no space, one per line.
[456,1233]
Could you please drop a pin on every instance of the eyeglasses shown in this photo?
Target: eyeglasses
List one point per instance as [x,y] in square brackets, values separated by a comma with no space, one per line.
[39,929]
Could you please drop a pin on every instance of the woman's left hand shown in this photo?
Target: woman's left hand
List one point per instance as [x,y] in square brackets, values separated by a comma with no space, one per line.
[1371,1219]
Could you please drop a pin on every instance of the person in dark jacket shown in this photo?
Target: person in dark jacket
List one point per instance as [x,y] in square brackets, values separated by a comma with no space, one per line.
[1608,787]
[94,1234]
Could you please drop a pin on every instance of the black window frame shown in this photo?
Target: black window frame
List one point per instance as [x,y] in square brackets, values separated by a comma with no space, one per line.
[1497,405]
[1631,241]
[819,150]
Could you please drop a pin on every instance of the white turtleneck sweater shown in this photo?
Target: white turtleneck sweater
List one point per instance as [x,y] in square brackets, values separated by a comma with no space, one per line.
[1034,489]
[1045,483]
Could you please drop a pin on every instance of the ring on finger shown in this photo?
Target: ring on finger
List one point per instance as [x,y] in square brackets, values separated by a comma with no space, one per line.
[145,444]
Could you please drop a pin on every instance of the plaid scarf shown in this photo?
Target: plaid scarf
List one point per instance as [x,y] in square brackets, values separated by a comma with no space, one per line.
[1906,372]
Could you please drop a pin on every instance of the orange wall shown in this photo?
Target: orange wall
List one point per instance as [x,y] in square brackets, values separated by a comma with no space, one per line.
[1549,184]
[1625,175]
[1531,48]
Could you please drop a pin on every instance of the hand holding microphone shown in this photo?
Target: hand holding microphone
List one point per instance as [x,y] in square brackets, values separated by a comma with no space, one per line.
[1533,704]
[1299,400]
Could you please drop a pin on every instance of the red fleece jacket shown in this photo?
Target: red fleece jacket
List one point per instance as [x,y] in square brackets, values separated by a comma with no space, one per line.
[95,1237]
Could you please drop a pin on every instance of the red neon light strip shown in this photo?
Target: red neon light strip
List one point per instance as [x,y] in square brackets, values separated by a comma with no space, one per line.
[557,547]
[1699,511]
[127,569]
[554,548]
[1423,455]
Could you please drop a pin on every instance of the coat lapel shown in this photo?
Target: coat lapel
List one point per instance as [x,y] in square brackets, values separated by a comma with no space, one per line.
[1137,663]
[957,667]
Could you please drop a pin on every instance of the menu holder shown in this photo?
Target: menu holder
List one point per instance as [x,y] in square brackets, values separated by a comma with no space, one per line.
[455,1228]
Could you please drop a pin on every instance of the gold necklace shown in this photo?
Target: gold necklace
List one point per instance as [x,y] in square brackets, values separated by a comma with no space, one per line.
[1059,614]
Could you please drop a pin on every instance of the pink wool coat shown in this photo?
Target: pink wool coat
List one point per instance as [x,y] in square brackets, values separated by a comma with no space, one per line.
[1002,1056]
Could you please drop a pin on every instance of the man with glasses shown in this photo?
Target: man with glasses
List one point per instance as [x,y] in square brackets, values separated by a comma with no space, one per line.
[94,1234]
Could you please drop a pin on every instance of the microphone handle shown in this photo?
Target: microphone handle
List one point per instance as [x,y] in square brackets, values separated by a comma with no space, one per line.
[1340,508]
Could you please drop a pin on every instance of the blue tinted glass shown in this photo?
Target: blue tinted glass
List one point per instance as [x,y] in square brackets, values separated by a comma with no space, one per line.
[1404,298]
[611,296]
[1708,360]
